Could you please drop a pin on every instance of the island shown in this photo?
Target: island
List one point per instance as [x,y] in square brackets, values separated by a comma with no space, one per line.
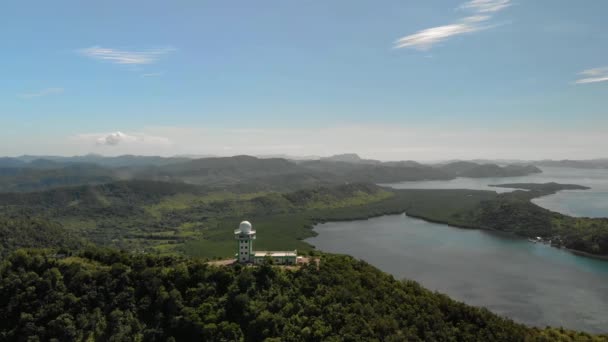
[549,188]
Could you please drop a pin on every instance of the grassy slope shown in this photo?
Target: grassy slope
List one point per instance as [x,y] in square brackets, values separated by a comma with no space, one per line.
[509,212]
[139,215]
[287,230]
[168,218]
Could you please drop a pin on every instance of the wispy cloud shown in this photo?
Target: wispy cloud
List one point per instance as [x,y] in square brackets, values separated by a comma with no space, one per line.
[117,56]
[593,75]
[482,12]
[425,39]
[153,74]
[486,6]
[43,92]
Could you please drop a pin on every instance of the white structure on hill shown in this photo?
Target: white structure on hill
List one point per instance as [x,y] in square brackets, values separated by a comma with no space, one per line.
[245,235]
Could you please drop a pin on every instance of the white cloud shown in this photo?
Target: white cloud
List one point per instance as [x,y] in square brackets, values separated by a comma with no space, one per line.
[43,92]
[114,139]
[120,138]
[593,75]
[482,12]
[125,57]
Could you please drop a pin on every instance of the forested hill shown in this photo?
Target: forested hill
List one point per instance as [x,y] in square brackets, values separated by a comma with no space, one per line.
[18,230]
[33,179]
[103,295]
[198,220]
[118,193]
[245,172]
[138,215]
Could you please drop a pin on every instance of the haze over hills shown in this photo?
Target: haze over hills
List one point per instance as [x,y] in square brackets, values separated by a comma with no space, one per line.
[29,173]
[577,164]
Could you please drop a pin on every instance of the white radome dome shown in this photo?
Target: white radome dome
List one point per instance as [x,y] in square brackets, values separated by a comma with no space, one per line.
[245,227]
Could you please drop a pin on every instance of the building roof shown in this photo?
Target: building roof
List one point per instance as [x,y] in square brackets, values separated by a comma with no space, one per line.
[245,228]
[275,253]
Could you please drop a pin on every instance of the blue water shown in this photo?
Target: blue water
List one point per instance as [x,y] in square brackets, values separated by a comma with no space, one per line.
[582,203]
[531,283]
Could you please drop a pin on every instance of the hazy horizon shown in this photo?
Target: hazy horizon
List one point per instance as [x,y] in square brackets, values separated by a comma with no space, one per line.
[294,157]
[419,80]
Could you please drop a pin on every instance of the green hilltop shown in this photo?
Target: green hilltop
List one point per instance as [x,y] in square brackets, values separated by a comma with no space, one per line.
[104,295]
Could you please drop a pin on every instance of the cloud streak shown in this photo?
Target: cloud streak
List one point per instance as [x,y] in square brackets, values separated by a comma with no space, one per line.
[486,6]
[425,39]
[593,76]
[153,74]
[117,56]
[482,12]
[43,92]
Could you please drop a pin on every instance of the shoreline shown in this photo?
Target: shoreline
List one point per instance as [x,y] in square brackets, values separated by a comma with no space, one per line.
[396,269]
[585,254]
[426,219]
[570,250]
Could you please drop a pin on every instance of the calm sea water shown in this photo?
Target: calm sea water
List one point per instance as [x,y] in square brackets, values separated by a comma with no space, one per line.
[530,283]
[586,203]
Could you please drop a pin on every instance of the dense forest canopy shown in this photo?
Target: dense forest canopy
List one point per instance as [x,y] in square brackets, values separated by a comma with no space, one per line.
[22,230]
[105,295]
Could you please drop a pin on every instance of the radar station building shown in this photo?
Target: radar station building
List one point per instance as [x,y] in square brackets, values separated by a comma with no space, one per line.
[245,253]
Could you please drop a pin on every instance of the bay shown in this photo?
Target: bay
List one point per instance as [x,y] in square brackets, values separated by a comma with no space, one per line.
[530,283]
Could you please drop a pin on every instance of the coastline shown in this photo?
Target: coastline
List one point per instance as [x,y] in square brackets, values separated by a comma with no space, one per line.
[573,251]
[426,254]
[536,191]
[585,254]
[316,221]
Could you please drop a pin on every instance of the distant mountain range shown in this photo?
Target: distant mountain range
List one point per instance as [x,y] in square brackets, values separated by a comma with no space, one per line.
[119,161]
[577,164]
[31,173]
[134,160]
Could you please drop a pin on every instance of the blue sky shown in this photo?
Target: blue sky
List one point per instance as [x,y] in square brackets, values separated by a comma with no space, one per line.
[414,79]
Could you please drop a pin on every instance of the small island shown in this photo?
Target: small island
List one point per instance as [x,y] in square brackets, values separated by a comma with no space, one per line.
[550,187]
